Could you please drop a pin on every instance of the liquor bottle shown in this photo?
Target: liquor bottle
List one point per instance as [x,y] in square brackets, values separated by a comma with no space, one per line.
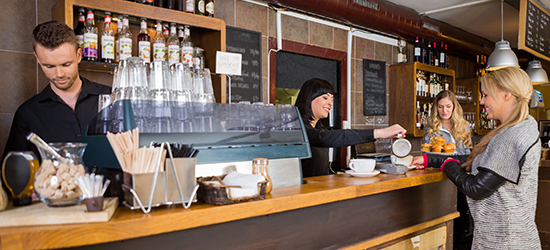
[435,55]
[187,48]
[443,55]
[160,3]
[165,31]
[169,4]
[173,46]
[477,67]
[209,7]
[199,8]
[446,82]
[179,5]
[80,29]
[417,51]
[107,41]
[483,65]
[429,54]
[125,40]
[190,6]
[90,38]
[418,115]
[117,38]
[159,47]
[181,34]
[144,42]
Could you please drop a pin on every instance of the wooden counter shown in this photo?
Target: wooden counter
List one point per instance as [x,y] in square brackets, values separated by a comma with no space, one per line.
[327,212]
[542,217]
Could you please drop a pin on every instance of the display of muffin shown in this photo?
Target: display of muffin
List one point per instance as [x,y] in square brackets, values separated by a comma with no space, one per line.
[438,145]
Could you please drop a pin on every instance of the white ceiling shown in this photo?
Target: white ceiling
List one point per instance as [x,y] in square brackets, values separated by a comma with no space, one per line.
[479,17]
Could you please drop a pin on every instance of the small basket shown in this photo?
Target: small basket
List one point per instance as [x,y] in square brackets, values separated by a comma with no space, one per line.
[217,194]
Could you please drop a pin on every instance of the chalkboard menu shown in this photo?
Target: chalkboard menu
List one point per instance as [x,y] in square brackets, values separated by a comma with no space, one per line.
[534,31]
[247,86]
[374,87]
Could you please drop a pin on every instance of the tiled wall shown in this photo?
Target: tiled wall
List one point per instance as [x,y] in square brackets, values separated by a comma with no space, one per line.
[21,78]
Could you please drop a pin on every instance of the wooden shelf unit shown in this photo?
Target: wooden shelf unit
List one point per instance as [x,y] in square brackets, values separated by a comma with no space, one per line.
[402,103]
[206,32]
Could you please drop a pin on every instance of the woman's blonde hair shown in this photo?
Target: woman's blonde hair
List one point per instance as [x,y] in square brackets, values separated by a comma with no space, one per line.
[459,125]
[514,81]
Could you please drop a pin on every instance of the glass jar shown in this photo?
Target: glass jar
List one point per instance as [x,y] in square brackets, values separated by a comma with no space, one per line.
[259,167]
[55,181]
[18,171]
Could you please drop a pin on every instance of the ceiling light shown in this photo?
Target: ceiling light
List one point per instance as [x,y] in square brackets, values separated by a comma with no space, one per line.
[502,56]
[536,73]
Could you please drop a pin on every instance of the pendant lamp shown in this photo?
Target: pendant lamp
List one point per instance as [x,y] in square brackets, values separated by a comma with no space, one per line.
[536,73]
[502,56]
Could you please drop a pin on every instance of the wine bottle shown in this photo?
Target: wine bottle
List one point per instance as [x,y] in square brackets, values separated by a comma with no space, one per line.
[165,32]
[435,55]
[90,38]
[173,46]
[80,29]
[417,51]
[179,5]
[107,41]
[423,51]
[429,54]
[125,40]
[442,55]
[209,8]
[187,48]
[159,47]
[144,42]
[199,7]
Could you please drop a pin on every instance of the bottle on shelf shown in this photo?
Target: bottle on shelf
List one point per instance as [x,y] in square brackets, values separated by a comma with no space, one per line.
[117,38]
[424,52]
[190,6]
[144,42]
[173,45]
[148,2]
[483,65]
[187,48]
[125,40]
[429,54]
[443,56]
[107,41]
[159,47]
[209,7]
[80,29]
[170,4]
[179,5]
[165,32]
[181,34]
[417,51]
[199,8]
[198,58]
[435,55]
[418,115]
[90,38]
[160,3]
[446,83]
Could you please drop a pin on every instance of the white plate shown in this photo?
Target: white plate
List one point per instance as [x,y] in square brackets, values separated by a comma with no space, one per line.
[434,153]
[356,174]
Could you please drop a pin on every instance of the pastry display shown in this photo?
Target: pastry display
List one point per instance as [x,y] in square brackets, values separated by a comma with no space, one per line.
[438,145]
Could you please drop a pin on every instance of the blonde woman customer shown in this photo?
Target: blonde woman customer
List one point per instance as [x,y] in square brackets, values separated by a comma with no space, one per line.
[502,185]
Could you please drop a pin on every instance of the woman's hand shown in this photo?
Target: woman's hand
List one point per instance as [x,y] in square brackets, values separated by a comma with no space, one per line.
[418,161]
[390,132]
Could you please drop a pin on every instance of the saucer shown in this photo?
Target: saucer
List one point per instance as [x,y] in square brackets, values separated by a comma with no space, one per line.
[356,174]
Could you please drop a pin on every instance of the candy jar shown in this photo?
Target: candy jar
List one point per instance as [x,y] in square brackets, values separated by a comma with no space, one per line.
[55,181]
[259,167]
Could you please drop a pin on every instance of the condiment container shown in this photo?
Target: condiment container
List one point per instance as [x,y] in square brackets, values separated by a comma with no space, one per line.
[18,171]
[259,167]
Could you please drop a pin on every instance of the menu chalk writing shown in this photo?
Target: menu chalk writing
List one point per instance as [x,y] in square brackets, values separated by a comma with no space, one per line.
[374,87]
[228,63]
[534,31]
[247,43]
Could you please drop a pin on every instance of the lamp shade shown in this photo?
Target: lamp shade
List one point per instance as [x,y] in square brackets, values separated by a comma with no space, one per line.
[502,57]
[536,72]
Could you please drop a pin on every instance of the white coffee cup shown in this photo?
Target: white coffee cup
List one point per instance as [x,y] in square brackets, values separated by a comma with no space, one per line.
[362,165]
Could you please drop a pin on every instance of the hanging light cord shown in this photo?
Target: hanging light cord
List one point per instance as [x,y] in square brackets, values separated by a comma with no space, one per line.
[501,20]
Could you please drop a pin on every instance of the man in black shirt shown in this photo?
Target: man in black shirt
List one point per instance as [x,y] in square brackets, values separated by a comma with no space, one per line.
[63,110]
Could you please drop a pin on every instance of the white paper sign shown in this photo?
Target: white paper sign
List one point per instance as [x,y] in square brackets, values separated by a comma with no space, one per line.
[228,63]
